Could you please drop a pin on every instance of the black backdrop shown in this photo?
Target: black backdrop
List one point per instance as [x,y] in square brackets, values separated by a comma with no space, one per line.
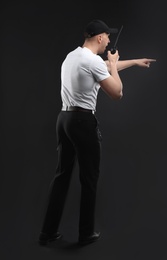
[132,194]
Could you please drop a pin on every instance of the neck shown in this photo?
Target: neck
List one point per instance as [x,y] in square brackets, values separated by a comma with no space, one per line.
[91,46]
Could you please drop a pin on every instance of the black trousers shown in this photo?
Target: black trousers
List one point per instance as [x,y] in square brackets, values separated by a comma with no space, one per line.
[78,136]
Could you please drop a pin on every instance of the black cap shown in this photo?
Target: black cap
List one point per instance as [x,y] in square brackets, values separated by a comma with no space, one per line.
[96,27]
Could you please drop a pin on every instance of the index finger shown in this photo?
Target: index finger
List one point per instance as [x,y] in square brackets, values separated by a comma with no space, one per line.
[151,60]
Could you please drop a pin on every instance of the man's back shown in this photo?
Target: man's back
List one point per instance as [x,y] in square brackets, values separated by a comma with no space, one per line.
[80,74]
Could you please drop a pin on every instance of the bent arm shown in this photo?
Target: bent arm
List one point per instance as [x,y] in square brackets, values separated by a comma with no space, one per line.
[112,85]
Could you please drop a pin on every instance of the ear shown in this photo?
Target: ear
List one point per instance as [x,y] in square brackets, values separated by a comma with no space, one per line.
[99,38]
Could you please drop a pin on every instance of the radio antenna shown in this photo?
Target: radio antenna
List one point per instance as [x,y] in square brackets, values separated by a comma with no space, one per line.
[113,50]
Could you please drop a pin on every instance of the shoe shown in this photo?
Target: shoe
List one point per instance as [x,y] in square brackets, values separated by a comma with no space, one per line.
[84,240]
[44,238]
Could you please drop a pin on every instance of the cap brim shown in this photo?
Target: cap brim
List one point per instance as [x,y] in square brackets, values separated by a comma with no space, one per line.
[113,30]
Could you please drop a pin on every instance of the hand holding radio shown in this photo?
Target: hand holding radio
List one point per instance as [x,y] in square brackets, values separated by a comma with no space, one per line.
[113,57]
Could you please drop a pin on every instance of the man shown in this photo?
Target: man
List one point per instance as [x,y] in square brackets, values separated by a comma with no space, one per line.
[83,73]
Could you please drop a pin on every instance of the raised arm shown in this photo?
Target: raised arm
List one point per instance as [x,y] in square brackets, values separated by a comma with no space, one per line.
[124,64]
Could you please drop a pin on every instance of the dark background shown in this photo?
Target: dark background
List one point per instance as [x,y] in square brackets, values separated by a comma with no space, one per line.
[132,194]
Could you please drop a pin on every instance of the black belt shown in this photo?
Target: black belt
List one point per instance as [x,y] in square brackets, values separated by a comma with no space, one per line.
[74,108]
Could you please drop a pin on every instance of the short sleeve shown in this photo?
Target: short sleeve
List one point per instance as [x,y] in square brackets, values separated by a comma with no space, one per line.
[99,69]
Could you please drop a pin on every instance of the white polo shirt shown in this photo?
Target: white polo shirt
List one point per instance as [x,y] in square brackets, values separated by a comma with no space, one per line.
[81,72]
